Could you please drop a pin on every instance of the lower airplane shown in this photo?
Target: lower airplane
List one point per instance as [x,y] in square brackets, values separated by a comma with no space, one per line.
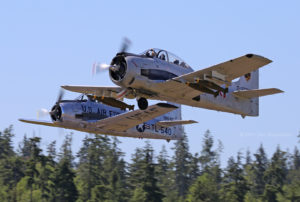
[159,121]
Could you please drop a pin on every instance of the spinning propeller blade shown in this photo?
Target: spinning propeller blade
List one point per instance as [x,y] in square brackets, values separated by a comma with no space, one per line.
[103,67]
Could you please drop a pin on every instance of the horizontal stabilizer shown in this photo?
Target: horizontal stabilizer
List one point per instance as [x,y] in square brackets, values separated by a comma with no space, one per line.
[174,123]
[256,92]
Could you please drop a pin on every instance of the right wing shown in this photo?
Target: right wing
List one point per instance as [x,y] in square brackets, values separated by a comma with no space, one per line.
[95,90]
[44,123]
[125,121]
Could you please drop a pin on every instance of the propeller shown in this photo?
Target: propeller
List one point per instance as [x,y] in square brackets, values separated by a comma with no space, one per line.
[55,109]
[60,95]
[42,113]
[103,67]
[125,45]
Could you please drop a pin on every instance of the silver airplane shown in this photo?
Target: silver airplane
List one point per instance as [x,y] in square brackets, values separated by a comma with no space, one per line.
[159,121]
[160,75]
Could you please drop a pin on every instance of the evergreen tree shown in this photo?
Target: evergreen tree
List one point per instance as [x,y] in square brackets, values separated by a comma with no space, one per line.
[66,150]
[165,175]
[181,161]
[259,167]
[275,175]
[114,171]
[25,148]
[90,170]
[6,149]
[209,159]
[296,159]
[205,188]
[145,187]
[234,187]
[64,188]
[51,150]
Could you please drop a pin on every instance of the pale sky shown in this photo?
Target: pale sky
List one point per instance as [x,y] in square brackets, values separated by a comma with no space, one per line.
[46,44]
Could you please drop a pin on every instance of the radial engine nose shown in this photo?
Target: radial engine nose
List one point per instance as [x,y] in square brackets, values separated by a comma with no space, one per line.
[56,113]
[118,68]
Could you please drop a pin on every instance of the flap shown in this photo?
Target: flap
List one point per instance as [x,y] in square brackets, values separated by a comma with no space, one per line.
[256,92]
[174,123]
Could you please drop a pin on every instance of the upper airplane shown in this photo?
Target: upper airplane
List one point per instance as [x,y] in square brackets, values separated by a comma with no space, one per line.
[160,75]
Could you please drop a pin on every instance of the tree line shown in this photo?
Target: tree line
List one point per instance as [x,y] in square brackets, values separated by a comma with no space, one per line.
[98,172]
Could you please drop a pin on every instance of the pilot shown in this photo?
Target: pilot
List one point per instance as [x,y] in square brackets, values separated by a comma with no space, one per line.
[176,62]
[152,53]
[183,64]
[162,57]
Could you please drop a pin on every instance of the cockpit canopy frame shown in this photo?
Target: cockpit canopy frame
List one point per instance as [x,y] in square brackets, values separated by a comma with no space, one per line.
[166,56]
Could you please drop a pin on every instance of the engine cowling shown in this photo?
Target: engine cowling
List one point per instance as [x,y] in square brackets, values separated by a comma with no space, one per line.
[122,72]
[56,113]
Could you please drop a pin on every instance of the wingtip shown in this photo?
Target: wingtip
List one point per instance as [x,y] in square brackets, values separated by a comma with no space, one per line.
[251,55]
[280,91]
[193,121]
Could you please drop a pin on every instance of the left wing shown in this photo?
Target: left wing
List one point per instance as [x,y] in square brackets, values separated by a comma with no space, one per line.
[125,121]
[228,71]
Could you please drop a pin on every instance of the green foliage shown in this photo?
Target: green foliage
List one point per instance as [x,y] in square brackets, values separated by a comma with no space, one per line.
[101,174]
[204,189]
[234,186]
[142,176]
[181,161]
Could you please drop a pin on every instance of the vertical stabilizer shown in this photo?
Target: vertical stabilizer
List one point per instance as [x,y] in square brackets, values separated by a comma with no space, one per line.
[250,81]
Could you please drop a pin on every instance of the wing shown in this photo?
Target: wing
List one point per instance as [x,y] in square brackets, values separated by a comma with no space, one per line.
[176,90]
[256,92]
[95,90]
[44,123]
[174,123]
[128,120]
[229,70]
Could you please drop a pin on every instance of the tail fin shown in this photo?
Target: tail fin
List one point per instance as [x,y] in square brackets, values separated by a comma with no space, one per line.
[248,81]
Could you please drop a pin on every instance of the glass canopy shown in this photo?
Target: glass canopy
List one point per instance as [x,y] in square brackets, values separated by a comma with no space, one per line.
[165,55]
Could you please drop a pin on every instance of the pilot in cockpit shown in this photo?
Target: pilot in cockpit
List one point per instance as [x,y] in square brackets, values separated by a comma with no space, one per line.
[162,57]
[151,53]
